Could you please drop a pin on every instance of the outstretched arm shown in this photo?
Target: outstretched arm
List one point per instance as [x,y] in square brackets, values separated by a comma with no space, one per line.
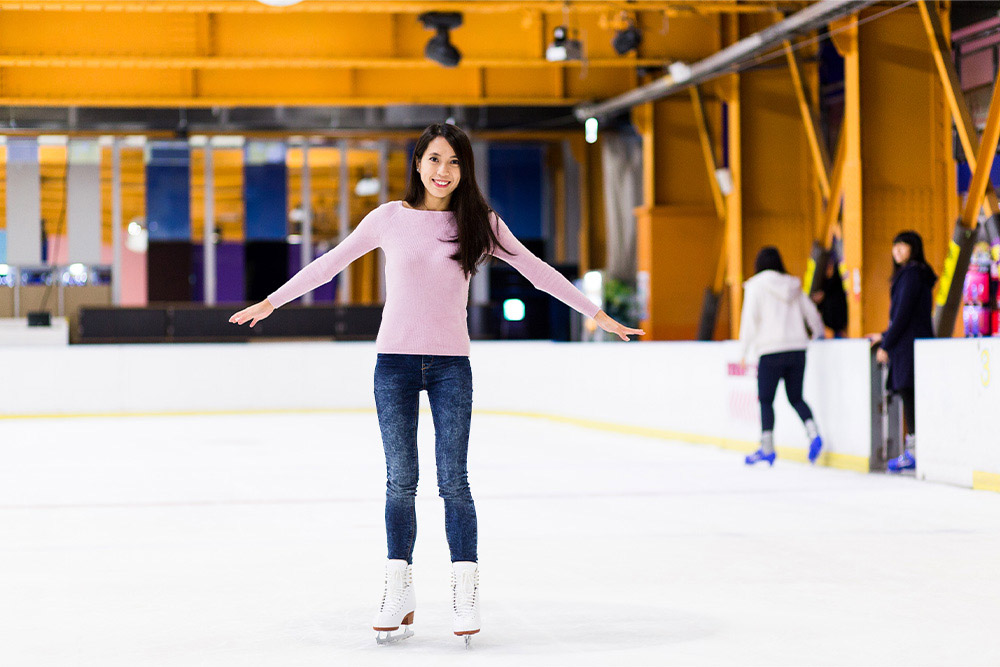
[550,281]
[362,240]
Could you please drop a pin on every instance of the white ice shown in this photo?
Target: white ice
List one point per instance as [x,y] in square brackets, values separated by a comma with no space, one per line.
[224,541]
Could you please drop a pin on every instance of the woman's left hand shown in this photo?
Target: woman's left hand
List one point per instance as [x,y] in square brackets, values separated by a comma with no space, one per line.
[617,328]
[882,356]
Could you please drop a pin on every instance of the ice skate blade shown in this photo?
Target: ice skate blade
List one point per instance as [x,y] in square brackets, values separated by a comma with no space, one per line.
[468,636]
[390,638]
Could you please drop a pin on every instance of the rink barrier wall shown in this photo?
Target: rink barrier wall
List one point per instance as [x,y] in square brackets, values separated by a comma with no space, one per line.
[957,394]
[689,391]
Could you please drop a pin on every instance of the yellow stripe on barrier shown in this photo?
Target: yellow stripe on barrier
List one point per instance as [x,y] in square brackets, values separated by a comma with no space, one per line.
[986,481]
[830,459]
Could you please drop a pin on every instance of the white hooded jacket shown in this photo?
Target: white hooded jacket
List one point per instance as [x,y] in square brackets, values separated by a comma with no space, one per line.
[775,314]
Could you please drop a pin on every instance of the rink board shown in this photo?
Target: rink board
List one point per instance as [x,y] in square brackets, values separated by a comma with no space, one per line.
[958,391]
[689,391]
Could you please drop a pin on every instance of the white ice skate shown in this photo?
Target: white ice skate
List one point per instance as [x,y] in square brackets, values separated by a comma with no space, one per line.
[398,603]
[465,599]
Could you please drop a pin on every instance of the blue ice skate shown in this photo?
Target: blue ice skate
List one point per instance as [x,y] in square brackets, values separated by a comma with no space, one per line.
[759,456]
[903,462]
[814,448]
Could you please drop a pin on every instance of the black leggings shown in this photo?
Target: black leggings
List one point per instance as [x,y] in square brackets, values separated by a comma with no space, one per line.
[909,410]
[787,366]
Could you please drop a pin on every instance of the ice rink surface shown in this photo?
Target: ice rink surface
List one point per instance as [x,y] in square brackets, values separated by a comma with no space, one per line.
[223,541]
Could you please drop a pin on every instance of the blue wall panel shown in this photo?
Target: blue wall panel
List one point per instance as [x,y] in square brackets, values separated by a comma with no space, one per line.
[965,176]
[168,191]
[265,191]
[516,173]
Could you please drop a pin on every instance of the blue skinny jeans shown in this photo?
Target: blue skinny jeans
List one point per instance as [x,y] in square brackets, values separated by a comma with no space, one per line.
[399,379]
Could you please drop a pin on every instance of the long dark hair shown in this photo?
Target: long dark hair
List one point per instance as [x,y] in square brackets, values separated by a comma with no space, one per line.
[912,239]
[768,259]
[475,237]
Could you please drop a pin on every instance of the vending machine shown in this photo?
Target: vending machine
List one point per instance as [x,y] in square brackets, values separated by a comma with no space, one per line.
[979,294]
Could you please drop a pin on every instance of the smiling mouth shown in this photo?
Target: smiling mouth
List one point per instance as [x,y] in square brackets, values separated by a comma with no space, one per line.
[440,184]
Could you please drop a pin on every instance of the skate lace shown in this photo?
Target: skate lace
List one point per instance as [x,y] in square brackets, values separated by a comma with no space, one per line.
[464,588]
[395,589]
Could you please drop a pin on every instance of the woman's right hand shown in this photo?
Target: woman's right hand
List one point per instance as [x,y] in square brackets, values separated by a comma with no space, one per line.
[617,328]
[253,314]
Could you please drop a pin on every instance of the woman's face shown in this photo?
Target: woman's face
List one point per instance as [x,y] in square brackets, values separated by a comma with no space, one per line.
[901,252]
[439,169]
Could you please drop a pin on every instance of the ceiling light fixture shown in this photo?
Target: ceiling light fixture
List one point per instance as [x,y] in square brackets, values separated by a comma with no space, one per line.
[627,39]
[562,47]
[439,48]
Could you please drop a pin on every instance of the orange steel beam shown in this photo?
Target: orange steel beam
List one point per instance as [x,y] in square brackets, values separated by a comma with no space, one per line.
[966,129]
[708,151]
[270,101]
[984,161]
[241,63]
[836,190]
[816,147]
[671,7]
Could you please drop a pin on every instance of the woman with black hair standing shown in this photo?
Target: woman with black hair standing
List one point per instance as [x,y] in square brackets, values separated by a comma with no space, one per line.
[773,327]
[434,242]
[910,305]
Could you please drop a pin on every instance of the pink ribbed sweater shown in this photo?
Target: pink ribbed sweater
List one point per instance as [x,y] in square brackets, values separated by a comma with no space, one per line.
[426,292]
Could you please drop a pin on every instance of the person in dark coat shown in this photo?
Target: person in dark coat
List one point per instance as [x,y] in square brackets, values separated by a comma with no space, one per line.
[910,305]
[831,299]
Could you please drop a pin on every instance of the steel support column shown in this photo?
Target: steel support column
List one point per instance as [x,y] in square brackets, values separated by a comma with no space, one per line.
[383,197]
[344,221]
[116,221]
[847,44]
[305,243]
[733,255]
[208,234]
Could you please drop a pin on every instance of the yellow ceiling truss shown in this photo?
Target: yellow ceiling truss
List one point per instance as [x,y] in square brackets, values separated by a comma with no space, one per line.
[166,53]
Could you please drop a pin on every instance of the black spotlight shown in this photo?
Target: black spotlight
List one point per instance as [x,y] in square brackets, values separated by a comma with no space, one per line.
[439,48]
[627,40]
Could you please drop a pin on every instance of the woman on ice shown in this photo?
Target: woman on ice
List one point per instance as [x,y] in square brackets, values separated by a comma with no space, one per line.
[911,301]
[773,328]
[434,241]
